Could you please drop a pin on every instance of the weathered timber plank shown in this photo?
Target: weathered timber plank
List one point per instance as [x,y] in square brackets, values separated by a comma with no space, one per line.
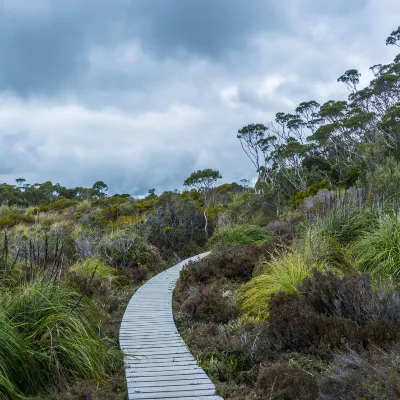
[158,365]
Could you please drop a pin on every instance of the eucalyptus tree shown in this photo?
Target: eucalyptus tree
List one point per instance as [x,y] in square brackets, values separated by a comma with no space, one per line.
[203,181]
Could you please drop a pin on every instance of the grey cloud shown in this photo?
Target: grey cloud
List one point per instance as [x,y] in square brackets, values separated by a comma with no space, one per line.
[95,85]
[19,153]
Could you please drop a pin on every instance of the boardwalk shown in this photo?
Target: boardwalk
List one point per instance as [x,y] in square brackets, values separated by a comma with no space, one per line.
[158,365]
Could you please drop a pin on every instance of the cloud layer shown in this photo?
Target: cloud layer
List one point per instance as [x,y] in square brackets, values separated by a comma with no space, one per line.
[141,93]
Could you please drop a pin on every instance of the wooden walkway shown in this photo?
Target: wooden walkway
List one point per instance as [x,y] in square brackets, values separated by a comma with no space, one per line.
[158,365]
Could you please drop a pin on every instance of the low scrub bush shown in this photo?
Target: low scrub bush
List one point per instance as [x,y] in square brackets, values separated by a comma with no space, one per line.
[286,380]
[378,251]
[122,249]
[215,302]
[15,218]
[238,235]
[366,375]
[329,312]
[237,264]
[293,325]
[243,337]
[350,297]
[58,205]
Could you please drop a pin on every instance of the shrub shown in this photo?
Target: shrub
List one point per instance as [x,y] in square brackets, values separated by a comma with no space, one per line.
[378,251]
[14,219]
[361,376]
[301,195]
[123,249]
[237,264]
[212,303]
[280,274]
[244,338]
[349,297]
[238,235]
[294,325]
[286,380]
[58,205]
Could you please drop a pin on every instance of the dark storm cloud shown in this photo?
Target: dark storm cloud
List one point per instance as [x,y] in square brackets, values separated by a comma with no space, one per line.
[44,51]
[206,27]
[141,93]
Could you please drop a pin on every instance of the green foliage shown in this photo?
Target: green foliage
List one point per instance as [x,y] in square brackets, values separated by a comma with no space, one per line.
[378,251]
[238,235]
[332,312]
[203,179]
[147,205]
[110,213]
[282,273]
[14,219]
[50,337]
[58,205]
[345,222]
[301,195]
[123,249]
[93,266]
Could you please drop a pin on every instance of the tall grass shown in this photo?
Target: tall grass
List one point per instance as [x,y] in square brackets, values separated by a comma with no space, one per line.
[345,222]
[93,266]
[49,336]
[326,239]
[282,273]
[238,235]
[18,370]
[378,251]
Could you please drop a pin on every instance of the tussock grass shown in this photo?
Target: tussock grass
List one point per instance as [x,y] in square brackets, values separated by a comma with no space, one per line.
[345,222]
[378,251]
[94,266]
[282,273]
[48,219]
[84,206]
[238,235]
[48,337]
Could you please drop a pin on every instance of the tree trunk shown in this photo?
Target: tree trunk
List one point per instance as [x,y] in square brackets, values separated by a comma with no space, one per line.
[206,224]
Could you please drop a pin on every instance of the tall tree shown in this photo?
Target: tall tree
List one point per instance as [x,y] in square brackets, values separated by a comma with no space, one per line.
[203,181]
[258,145]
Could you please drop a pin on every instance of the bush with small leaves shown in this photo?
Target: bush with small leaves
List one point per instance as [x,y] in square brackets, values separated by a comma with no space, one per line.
[294,325]
[215,302]
[286,380]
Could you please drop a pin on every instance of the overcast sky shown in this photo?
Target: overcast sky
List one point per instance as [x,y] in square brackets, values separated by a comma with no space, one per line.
[140,93]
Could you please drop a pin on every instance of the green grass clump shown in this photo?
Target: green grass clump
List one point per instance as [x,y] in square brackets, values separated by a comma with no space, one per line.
[239,235]
[49,337]
[344,223]
[15,362]
[283,273]
[93,266]
[378,251]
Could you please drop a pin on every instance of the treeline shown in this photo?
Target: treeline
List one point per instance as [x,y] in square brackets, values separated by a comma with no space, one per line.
[25,194]
[339,144]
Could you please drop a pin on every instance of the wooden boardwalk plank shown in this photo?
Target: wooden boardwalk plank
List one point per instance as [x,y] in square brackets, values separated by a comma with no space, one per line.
[158,365]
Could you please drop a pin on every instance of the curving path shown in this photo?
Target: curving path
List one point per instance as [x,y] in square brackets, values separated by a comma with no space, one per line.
[158,365]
